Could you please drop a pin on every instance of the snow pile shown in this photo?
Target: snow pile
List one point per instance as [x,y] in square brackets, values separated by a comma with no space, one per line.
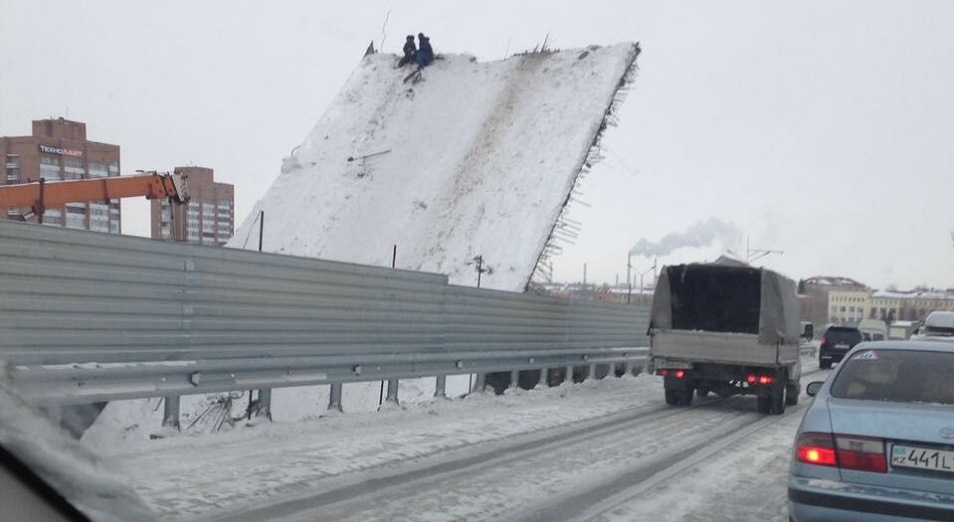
[476,159]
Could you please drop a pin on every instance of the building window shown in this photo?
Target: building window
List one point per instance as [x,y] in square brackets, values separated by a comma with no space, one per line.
[50,172]
[98,170]
[13,169]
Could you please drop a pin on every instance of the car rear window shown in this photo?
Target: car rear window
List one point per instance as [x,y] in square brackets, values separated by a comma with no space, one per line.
[939,331]
[897,376]
[837,334]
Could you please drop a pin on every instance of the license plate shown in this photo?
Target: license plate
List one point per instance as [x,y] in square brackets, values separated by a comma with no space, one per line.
[662,364]
[922,458]
[841,345]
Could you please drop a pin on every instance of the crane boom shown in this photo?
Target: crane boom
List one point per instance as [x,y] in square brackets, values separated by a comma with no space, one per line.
[42,195]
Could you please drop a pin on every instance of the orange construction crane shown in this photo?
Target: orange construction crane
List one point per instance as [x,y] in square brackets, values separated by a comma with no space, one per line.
[52,194]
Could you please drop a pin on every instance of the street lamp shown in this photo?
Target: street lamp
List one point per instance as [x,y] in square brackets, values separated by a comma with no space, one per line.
[641,274]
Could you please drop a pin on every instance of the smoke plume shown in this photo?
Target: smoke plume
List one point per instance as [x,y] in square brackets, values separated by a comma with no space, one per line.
[701,234]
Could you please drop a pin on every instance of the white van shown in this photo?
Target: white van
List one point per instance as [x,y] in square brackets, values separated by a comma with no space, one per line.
[939,326]
[873,330]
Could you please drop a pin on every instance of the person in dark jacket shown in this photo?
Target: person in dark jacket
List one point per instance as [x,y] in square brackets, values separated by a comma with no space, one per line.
[410,51]
[425,54]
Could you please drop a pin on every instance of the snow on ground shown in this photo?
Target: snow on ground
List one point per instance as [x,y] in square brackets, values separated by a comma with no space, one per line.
[254,468]
[189,476]
[123,421]
[477,159]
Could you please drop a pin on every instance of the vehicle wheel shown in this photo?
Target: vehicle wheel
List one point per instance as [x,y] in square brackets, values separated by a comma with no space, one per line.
[791,394]
[824,365]
[685,397]
[671,397]
[779,399]
[702,392]
[763,405]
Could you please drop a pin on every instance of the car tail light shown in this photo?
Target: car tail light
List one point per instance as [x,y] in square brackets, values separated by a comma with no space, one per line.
[680,374]
[861,453]
[842,451]
[664,373]
[817,449]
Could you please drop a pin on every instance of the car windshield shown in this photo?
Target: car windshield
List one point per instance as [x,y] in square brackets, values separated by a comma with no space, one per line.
[897,376]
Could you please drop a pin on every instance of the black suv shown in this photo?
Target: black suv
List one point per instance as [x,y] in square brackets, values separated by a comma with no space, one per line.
[836,342]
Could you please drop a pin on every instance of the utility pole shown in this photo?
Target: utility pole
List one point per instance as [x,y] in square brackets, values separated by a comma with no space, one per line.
[629,280]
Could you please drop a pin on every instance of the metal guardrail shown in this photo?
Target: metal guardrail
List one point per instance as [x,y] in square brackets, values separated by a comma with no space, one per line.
[87,317]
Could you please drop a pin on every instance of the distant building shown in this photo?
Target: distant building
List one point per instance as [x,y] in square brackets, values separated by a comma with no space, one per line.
[816,301]
[209,216]
[58,150]
[848,306]
[913,305]
[851,306]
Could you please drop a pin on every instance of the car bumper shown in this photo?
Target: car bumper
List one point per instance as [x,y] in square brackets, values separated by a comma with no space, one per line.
[828,500]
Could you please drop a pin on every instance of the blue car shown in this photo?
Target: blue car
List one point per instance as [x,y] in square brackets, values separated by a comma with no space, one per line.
[877,444]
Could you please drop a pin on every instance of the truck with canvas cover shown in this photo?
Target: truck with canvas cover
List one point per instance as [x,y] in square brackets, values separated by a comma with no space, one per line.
[729,330]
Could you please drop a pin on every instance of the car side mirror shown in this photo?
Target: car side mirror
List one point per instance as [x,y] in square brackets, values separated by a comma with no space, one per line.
[813,388]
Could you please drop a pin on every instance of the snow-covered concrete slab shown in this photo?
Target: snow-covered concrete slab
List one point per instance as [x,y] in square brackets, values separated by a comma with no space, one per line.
[475,159]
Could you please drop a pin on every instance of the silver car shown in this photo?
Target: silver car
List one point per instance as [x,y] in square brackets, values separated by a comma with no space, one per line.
[877,444]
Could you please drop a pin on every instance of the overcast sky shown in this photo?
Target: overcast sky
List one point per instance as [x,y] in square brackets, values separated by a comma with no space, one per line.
[819,128]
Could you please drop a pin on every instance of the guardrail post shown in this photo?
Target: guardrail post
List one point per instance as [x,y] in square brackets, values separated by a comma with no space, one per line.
[170,412]
[440,389]
[392,392]
[334,398]
[542,383]
[514,378]
[628,367]
[480,380]
[591,372]
[569,375]
[261,407]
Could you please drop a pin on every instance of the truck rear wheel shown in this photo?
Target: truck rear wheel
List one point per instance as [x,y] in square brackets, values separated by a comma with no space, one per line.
[671,397]
[779,399]
[792,392]
[685,397]
[763,405]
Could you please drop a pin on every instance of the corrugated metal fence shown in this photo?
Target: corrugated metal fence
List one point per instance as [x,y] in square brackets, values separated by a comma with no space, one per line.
[87,317]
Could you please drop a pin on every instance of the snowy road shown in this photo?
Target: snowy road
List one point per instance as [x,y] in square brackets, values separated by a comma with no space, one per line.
[606,450]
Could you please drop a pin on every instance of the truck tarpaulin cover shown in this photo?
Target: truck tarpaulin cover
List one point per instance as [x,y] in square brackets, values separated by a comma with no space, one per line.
[722,298]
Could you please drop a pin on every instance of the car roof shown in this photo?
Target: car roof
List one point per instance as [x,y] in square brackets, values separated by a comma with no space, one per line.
[940,318]
[918,346]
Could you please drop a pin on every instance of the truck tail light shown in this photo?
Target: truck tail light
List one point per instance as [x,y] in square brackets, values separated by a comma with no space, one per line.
[842,451]
[764,380]
[678,374]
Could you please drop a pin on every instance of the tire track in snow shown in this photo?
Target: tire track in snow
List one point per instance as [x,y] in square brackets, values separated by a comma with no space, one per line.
[376,482]
[639,485]
[494,483]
